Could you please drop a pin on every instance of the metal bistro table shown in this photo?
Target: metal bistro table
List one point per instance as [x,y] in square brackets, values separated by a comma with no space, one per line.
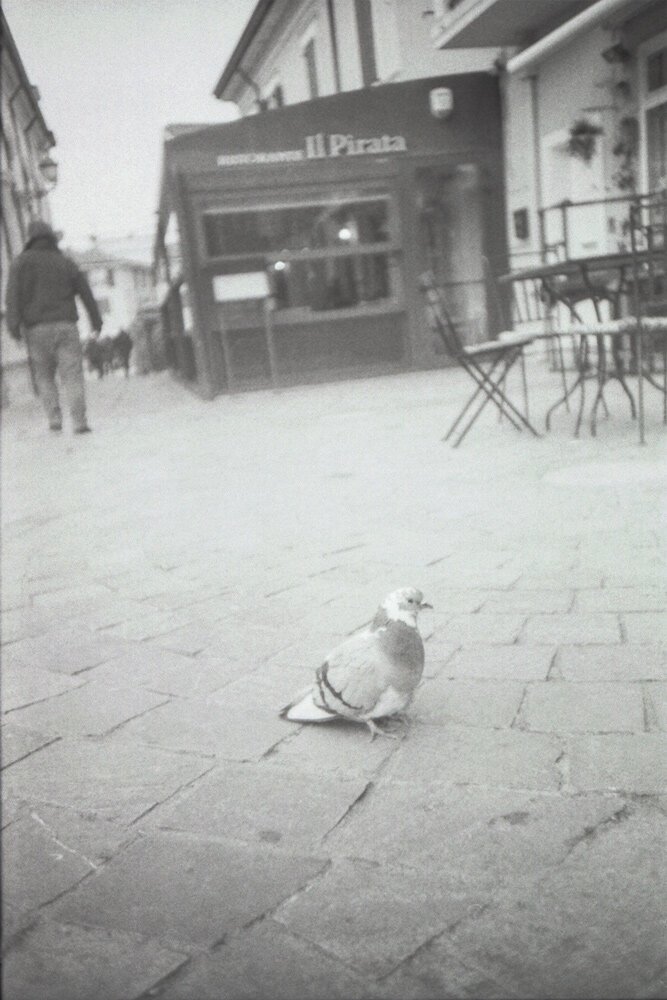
[568,284]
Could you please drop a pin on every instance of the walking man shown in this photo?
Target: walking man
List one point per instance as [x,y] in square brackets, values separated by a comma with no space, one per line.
[42,287]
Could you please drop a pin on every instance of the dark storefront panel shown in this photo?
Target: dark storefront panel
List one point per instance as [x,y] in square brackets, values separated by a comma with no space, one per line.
[306,353]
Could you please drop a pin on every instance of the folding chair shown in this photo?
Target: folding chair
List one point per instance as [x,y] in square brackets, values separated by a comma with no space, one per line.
[487,364]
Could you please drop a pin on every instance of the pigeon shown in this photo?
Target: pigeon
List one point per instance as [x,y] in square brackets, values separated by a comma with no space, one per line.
[373,674]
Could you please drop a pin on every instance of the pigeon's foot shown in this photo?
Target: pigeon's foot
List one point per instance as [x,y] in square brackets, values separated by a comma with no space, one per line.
[378,731]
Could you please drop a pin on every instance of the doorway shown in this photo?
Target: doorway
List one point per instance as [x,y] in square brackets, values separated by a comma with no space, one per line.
[451,243]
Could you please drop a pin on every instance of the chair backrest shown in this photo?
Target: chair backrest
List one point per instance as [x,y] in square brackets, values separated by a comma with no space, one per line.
[438,315]
[648,237]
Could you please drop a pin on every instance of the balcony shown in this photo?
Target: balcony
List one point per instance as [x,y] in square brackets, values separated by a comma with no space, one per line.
[467,24]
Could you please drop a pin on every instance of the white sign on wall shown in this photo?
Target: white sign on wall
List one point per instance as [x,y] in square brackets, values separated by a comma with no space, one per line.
[237,287]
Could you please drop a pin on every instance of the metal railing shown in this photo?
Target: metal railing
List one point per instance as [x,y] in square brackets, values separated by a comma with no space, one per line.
[592,228]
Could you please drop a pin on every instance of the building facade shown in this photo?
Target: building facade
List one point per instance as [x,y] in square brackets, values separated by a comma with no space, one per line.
[384,182]
[584,89]
[303,231]
[297,50]
[27,170]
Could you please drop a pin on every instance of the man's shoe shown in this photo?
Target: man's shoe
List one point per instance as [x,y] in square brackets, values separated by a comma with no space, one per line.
[55,427]
[83,430]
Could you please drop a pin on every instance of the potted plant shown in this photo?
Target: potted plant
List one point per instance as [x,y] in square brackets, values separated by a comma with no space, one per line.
[581,143]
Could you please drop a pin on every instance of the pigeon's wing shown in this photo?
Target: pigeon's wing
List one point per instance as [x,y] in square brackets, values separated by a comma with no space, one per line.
[354,676]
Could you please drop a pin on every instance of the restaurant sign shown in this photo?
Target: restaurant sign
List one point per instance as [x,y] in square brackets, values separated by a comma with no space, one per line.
[320,147]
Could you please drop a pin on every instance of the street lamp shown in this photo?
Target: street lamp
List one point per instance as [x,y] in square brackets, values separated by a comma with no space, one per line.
[48,168]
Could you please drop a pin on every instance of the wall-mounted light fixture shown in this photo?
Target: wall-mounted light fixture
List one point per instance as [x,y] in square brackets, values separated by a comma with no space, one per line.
[48,168]
[441,102]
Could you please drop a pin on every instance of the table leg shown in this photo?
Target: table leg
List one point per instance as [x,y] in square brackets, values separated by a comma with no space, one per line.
[602,381]
[620,375]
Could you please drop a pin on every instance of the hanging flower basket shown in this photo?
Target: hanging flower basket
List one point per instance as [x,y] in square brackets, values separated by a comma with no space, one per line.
[583,135]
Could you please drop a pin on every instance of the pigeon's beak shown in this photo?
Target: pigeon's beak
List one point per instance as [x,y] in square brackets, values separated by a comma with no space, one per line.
[425,604]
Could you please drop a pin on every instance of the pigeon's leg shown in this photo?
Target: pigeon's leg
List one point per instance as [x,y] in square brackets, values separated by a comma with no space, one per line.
[377,731]
[401,717]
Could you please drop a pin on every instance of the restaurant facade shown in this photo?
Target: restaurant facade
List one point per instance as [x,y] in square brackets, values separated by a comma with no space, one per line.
[302,232]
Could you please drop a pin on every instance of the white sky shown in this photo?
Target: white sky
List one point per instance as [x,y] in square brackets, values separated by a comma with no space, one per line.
[112,74]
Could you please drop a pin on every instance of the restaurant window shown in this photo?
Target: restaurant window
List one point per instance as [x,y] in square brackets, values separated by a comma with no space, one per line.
[319,257]
[653,110]
[310,60]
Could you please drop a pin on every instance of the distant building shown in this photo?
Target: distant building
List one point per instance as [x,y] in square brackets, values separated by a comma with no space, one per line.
[121,286]
[28,171]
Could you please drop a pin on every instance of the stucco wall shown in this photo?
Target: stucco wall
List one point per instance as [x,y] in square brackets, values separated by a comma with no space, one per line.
[404,50]
[574,82]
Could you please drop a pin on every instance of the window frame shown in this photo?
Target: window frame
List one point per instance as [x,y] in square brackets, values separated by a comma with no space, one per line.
[648,99]
[390,248]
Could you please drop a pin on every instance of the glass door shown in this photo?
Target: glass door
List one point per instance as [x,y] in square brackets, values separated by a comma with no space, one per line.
[451,242]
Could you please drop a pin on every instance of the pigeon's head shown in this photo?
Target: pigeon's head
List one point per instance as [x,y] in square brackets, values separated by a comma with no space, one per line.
[404,605]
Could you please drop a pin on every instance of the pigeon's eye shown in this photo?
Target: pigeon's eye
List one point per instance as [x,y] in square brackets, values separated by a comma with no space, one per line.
[411,600]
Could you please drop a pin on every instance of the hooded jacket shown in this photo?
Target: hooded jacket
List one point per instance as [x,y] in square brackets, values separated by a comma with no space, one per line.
[43,283]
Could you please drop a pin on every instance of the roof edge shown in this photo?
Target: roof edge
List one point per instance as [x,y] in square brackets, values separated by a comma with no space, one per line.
[249,32]
[27,86]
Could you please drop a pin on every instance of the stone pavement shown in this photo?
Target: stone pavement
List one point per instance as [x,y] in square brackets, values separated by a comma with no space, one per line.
[171,580]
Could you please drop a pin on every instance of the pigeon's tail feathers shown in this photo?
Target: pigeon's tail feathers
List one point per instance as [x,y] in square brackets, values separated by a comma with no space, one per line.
[305,709]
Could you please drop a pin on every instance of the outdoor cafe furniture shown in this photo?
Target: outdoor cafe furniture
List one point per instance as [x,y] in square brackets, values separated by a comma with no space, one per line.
[487,364]
[553,296]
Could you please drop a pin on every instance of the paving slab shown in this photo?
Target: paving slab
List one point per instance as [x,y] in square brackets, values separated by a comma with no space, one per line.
[655,697]
[17,743]
[161,670]
[612,663]
[149,624]
[594,927]
[646,626]
[488,704]
[90,710]
[466,630]
[338,747]
[63,650]
[25,622]
[51,850]
[528,602]
[618,599]
[24,685]
[619,761]
[562,707]
[266,961]
[437,970]
[187,891]
[372,918]
[505,757]
[56,961]
[258,805]
[221,726]
[488,837]
[116,781]
[507,663]
[571,628]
